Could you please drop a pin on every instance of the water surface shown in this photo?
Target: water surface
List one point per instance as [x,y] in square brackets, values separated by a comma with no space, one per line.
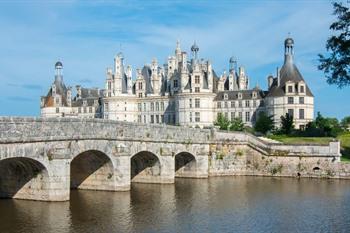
[221,204]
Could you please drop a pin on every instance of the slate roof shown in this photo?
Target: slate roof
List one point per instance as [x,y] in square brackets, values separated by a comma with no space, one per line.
[288,72]
[246,94]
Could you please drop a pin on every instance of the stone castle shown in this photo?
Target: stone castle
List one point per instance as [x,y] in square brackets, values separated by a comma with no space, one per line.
[185,92]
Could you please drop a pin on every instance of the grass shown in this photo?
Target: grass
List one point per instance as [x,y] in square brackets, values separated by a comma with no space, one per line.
[301,140]
[343,138]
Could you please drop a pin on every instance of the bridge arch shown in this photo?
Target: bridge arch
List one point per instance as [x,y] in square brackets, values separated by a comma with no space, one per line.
[93,170]
[145,167]
[185,165]
[23,178]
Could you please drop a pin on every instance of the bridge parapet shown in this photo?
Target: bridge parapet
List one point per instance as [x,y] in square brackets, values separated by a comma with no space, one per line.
[28,129]
[22,129]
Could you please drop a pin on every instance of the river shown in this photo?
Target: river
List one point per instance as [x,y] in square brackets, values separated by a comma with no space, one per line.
[220,204]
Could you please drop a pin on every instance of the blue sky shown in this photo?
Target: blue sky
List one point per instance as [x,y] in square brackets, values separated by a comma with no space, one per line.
[86,35]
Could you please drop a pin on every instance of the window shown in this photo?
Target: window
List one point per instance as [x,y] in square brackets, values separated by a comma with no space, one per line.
[90,109]
[232,104]
[57,110]
[162,106]
[125,109]
[197,103]
[106,107]
[157,106]
[162,118]
[79,109]
[152,107]
[109,86]
[139,118]
[302,89]
[247,104]
[190,116]
[144,119]
[169,119]
[175,83]
[290,89]
[301,114]
[240,104]
[254,94]
[247,116]
[152,119]
[291,112]
[196,79]
[197,116]
[144,107]
[197,89]
[226,104]
[290,100]
[139,107]
[157,119]
[254,103]
[239,95]
[190,103]
[232,116]
[57,100]
[140,85]
[84,109]
[140,95]
[301,100]
[240,116]
[219,104]
[225,97]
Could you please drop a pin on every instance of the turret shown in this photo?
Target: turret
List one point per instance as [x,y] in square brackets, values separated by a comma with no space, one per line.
[118,73]
[155,76]
[58,72]
[178,51]
[233,64]
[194,49]
[288,50]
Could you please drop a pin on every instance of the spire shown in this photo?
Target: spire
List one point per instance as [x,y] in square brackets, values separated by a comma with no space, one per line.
[178,45]
[288,49]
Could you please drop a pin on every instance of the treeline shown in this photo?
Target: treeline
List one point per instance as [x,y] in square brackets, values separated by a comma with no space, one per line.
[320,127]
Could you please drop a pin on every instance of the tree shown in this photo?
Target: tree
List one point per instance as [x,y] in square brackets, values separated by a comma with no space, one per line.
[222,122]
[336,65]
[323,126]
[345,123]
[236,125]
[264,123]
[287,124]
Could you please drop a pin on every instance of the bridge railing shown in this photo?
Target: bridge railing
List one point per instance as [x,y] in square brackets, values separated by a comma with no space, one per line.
[27,129]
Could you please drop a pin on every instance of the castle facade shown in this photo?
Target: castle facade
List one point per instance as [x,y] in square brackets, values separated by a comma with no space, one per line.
[185,91]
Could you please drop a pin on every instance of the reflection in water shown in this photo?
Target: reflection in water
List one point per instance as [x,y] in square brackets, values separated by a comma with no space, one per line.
[223,204]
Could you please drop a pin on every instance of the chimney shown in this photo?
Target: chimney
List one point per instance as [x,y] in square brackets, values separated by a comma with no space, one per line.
[278,77]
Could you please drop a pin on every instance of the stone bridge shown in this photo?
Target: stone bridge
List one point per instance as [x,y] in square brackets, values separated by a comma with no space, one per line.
[43,159]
